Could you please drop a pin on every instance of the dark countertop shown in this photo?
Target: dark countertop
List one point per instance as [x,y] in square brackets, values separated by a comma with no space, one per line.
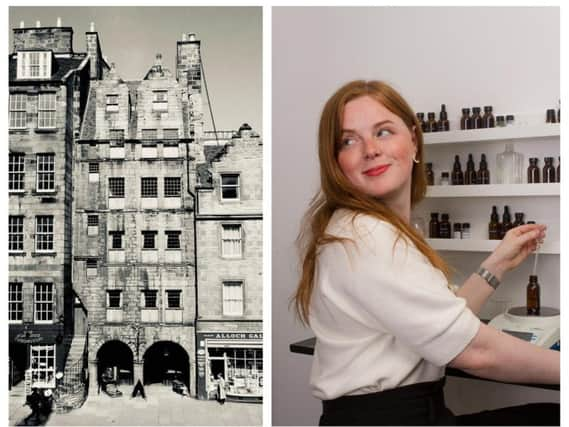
[307,347]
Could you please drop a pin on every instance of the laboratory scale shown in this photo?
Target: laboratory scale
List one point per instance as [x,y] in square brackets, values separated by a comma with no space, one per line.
[542,329]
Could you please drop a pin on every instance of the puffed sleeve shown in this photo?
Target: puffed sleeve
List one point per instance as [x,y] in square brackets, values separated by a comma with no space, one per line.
[390,286]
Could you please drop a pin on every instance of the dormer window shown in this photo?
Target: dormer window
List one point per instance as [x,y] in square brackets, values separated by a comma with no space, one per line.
[34,65]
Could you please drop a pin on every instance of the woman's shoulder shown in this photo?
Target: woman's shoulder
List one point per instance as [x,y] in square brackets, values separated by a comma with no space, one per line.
[346,223]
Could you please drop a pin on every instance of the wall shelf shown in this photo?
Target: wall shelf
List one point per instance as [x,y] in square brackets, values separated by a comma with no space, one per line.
[494,190]
[492,135]
[476,245]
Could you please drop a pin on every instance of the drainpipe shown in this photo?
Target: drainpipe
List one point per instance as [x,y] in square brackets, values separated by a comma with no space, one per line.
[195,201]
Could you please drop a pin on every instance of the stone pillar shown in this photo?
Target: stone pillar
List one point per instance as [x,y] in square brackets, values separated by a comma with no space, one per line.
[93,383]
[138,372]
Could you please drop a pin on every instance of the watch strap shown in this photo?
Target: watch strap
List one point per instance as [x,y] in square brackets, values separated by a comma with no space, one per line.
[488,277]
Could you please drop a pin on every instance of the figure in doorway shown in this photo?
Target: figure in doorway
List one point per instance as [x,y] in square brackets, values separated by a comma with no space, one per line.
[220,389]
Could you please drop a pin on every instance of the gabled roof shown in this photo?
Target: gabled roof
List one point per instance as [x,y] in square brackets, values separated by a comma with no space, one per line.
[61,66]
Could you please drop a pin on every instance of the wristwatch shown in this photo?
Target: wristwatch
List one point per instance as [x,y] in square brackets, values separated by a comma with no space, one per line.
[489,277]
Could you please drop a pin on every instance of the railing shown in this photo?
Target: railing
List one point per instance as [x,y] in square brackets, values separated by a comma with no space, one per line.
[71,390]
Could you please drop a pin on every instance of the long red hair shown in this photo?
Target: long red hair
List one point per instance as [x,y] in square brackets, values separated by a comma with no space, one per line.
[337,192]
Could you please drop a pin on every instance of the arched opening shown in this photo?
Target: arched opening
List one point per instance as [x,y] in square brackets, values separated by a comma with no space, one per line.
[116,356]
[165,361]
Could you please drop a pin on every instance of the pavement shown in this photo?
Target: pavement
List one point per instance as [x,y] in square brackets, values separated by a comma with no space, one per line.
[162,407]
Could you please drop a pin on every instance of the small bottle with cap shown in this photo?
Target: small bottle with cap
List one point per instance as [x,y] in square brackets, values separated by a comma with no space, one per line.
[488,118]
[465,120]
[445,178]
[466,230]
[443,124]
[457,230]
[430,174]
[476,118]
[434,226]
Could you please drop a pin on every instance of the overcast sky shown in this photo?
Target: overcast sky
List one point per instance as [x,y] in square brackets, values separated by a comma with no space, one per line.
[231,47]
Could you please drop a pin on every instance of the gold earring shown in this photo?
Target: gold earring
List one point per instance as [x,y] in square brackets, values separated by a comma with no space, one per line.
[415,158]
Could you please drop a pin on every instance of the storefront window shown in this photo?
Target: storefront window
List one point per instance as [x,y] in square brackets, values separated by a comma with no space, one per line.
[42,364]
[244,369]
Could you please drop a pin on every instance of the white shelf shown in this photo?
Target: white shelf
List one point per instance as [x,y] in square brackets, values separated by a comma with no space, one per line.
[473,245]
[494,190]
[494,134]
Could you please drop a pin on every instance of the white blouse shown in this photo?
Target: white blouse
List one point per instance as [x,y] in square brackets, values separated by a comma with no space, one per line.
[383,316]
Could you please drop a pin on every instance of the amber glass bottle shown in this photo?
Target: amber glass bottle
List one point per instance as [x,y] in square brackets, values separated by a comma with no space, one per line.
[559,170]
[476,118]
[431,123]
[443,124]
[465,120]
[506,222]
[444,227]
[488,118]
[434,226]
[494,225]
[421,118]
[470,173]
[483,174]
[532,296]
[519,219]
[548,170]
[533,171]
[430,174]
[457,177]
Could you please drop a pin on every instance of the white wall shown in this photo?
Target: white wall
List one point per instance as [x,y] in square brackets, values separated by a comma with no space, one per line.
[505,57]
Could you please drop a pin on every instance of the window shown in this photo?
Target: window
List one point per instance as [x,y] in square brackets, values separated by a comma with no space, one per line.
[46,172]
[172,187]
[173,299]
[173,239]
[94,167]
[231,241]
[149,187]
[149,134]
[116,187]
[44,233]
[92,225]
[15,302]
[47,110]
[229,186]
[149,239]
[15,233]
[34,65]
[149,298]
[91,266]
[42,364]
[170,133]
[114,298]
[17,111]
[233,298]
[44,302]
[16,172]
[116,137]
[116,239]
[160,100]
[112,103]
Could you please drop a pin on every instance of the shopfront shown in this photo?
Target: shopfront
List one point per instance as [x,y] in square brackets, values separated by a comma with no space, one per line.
[237,357]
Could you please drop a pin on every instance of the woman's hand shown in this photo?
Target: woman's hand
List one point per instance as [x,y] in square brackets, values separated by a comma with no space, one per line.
[515,247]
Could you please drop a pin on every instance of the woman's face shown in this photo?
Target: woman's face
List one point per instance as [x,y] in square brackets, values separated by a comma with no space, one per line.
[376,150]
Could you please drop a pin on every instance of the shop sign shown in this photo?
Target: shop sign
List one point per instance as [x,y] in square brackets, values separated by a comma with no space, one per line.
[28,382]
[233,335]
[27,337]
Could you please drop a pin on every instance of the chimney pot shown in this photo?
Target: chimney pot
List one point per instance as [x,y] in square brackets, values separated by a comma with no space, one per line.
[192,37]
[184,37]
[38,24]
[92,27]
[22,24]
[58,21]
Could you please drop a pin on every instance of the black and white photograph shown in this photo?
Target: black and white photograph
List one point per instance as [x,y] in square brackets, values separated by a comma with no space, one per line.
[135,238]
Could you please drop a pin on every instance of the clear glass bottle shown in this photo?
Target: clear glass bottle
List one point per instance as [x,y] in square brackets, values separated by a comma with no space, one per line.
[548,170]
[510,120]
[500,122]
[457,230]
[444,178]
[509,166]
[532,297]
[465,121]
[533,171]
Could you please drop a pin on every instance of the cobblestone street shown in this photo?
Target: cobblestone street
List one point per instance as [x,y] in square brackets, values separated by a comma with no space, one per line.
[161,408]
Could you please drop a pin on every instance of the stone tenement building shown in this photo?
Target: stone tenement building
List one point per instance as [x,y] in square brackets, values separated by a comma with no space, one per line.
[164,236]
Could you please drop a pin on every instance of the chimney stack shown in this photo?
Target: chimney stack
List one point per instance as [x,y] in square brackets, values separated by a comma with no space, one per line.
[58,21]
[38,25]
[22,24]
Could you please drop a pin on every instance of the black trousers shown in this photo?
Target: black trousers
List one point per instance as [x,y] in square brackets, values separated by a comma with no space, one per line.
[422,405]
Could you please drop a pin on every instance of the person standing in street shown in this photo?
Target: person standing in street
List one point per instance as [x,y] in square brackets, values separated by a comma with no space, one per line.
[220,389]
